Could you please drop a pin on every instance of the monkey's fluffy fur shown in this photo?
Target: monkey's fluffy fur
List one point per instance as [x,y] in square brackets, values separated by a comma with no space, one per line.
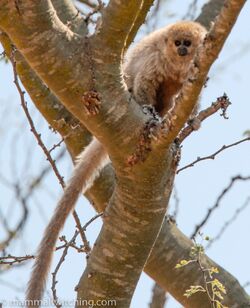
[154,72]
[157,66]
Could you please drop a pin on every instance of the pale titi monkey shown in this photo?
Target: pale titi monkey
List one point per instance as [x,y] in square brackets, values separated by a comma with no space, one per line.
[154,72]
[158,65]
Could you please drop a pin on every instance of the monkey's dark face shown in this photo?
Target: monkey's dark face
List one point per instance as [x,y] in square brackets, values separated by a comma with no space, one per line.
[183,46]
[183,40]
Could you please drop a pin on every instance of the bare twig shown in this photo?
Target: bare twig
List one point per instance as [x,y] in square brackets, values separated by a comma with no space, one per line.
[10,260]
[45,150]
[23,198]
[71,244]
[66,246]
[57,268]
[222,103]
[31,123]
[96,9]
[213,155]
[228,223]
[204,274]
[76,234]
[205,278]
[56,145]
[91,220]
[217,203]
[82,234]
[37,180]
[11,233]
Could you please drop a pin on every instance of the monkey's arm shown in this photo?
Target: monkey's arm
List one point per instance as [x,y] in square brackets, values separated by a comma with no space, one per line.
[141,72]
[89,164]
[145,88]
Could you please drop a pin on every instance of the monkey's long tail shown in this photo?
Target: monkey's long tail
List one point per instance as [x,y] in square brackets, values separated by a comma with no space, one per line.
[90,163]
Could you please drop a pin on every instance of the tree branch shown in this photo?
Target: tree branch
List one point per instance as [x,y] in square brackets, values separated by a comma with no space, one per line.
[36,24]
[70,16]
[74,134]
[213,155]
[209,12]
[120,21]
[171,247]
[221,103]
[76,81]
[163,261]
[159,298]
[131,223]
[217,203]
[206,55]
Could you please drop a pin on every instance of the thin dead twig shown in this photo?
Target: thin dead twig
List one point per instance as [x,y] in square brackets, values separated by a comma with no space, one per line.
[66,246]
[217,203]
[213,155]
[228,223]
[45,150]
[222,103]
[10,260]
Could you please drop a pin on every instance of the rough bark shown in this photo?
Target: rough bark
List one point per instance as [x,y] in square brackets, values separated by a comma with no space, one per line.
[135,206]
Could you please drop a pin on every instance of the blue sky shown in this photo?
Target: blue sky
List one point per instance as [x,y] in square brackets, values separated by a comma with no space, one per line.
[197,187]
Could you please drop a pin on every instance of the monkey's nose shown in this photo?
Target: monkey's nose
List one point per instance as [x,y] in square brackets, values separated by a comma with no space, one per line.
[182,51]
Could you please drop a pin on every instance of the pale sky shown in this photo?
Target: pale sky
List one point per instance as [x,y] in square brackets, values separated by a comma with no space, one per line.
[197,187]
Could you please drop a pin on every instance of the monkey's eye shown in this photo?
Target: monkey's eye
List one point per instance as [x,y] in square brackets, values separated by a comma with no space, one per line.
[177,43]
[187,43]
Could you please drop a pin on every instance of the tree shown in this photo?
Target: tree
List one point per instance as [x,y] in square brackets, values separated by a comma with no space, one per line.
[74,81]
